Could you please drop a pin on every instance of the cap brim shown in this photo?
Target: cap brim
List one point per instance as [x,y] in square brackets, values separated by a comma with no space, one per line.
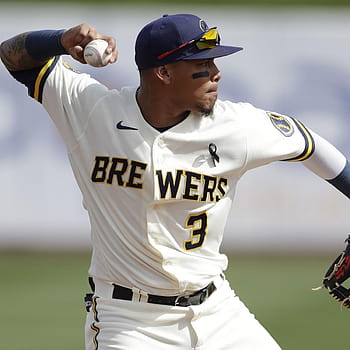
[217,51]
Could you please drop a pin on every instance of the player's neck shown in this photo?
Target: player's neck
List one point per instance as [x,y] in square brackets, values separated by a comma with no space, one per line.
[158,111]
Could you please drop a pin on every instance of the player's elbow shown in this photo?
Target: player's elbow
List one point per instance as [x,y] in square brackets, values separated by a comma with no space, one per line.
[2,52]
[6,57]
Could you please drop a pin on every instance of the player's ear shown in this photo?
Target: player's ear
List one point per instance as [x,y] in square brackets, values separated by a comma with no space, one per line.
[163,74]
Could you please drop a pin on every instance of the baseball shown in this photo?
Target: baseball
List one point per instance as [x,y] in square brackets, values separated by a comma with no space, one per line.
[95,53]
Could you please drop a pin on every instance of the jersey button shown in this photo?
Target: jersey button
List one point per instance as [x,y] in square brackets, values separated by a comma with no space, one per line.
[161,143]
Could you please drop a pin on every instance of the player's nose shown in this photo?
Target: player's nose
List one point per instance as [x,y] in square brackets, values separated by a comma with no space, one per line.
[216,74]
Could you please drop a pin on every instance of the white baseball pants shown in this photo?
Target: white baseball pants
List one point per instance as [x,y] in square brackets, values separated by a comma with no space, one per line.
[222,322]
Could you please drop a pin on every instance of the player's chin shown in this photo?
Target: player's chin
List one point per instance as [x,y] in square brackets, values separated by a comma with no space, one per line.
[206,107]
[204,110]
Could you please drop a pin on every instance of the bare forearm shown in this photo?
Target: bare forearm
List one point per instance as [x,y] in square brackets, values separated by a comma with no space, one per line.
[15,56]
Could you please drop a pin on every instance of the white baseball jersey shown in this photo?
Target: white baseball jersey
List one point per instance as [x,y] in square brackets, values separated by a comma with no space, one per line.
[158,202]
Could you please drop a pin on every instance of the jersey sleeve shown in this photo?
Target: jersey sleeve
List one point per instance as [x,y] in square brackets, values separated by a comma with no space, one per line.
[327,161]
[70,97]
[67,95]
[275,137]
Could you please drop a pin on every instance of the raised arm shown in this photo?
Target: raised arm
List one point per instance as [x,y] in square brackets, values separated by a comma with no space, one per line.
[33,49]
[14,55]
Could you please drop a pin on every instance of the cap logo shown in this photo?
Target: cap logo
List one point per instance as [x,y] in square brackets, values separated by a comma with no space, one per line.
[203,26]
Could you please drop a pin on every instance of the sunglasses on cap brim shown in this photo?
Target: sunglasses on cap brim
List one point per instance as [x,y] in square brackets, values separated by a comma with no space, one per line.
[207,40]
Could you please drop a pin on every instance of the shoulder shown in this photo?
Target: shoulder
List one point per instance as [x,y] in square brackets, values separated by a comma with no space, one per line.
[70,85]
[242,112]
[126,94]
[226,105]
[255,116]
[237,108]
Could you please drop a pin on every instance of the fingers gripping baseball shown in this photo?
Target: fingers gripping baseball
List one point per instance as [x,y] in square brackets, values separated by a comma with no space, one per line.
[75,39]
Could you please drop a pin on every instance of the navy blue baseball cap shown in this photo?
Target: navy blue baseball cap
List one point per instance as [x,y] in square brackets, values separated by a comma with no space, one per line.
[178,37]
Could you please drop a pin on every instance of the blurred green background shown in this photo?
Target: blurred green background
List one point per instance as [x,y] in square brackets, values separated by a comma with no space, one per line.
[42,293]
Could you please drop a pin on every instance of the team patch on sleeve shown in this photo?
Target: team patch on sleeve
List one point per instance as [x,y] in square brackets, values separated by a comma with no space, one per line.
[285,126]
[281,123]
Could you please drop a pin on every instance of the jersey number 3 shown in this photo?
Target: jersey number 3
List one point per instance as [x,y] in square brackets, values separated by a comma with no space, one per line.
[198,225]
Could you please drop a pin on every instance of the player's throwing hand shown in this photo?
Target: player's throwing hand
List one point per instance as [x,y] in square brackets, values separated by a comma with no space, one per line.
[75,39]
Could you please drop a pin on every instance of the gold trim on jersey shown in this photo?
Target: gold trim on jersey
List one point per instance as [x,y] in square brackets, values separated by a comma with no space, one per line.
[309,143]
[39,79]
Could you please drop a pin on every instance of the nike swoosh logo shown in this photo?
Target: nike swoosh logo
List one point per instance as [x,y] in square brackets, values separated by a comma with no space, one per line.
[121,126]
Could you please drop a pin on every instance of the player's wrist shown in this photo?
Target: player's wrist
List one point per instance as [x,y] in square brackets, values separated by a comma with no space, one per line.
[44,44]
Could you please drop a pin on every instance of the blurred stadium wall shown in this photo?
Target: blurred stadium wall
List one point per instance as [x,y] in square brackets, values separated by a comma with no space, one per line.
[295,62]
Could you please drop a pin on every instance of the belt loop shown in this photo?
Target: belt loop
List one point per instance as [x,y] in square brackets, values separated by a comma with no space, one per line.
[135,294]
[144,297]
[139,295]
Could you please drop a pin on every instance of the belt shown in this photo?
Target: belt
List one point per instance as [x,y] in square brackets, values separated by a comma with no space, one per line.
[196,298]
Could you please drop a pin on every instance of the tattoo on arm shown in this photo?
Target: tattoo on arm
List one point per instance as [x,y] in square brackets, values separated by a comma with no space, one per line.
[15,56]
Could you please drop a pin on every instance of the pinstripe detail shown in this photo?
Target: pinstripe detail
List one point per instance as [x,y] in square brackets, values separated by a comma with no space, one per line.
[41,78]
[93,325]
[309,143]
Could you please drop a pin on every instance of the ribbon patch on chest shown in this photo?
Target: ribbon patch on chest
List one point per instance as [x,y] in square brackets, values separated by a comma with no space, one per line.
[281,123]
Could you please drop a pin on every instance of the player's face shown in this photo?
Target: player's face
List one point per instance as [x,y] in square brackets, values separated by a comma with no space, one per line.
[195,84]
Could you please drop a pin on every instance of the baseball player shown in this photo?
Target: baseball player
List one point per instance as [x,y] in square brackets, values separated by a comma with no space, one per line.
[158,167]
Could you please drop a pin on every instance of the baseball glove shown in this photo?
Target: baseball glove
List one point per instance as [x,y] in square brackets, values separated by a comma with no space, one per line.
[337,274]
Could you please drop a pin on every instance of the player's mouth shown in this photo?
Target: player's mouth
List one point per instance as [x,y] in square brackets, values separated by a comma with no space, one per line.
[213,91]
